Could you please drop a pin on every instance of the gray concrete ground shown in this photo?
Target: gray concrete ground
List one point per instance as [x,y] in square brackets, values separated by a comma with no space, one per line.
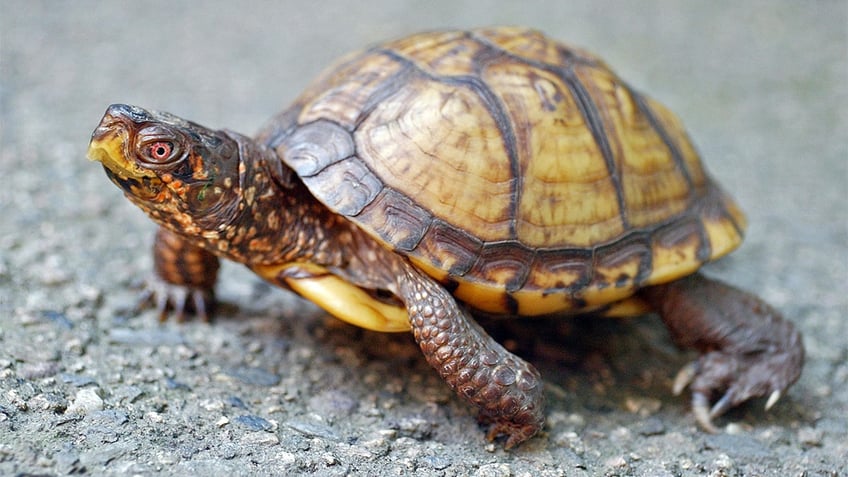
[274,386]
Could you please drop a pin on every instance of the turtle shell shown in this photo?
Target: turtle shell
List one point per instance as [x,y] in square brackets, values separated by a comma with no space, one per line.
[521,173]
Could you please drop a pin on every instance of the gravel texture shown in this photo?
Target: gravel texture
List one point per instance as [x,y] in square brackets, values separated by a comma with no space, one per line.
[274,387]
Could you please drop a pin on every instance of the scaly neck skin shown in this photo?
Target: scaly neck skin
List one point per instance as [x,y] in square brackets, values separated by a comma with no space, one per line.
[273,217]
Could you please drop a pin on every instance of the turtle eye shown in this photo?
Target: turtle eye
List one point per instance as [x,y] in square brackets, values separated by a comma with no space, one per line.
[159,152]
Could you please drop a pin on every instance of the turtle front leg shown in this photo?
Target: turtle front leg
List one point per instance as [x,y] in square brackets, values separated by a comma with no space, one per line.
[184,277]
[747,348]
[506,389]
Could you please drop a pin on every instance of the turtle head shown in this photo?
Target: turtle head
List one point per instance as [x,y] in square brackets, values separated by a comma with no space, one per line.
[180,173]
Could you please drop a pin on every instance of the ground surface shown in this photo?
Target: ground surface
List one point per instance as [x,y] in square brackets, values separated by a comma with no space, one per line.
[274,386]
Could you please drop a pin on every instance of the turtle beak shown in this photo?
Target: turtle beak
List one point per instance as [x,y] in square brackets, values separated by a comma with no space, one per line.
[111,141]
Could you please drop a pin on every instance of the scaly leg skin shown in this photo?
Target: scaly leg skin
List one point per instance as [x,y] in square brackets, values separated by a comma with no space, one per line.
[747,348]
[184,277]
[506,389]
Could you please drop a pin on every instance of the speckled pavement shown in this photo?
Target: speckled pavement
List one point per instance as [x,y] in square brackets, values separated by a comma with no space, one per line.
[274,386]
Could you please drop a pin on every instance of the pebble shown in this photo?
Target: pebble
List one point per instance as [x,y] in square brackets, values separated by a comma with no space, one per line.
[254,423]
[494,470]
[86,401]
[616,464]
[723,466]
[171,383]
[254,376]
[333,404]
[810,437]
[128,394]
[115,417]
[76,380]
[415,427]
[58,318]
[146,337]
[52,402]
[234,401]
[436,462]
[651,426]
[260,439]
[39,370]
[309,429]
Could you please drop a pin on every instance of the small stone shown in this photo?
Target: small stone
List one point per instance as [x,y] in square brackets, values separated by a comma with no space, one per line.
[436,462]
[222,421]
[154,417]
[228,451]
[129,394]
[642,406]
[415,427]
[236,402]
[260,438]
[734,429]
[651,427]
[48,402]
[622,434]
[329,459]
[309,429]
[376,444]
[114,417]
[76,380]
[616,463]
[167,458]
[211,405]
[570,440]
[171,383]
[58,318]
[51,276]
[333,404]
[255,423]
[810,437]
[146,337]
[255,376]
[39,370]
[86,400]
[494,470]
[723,465]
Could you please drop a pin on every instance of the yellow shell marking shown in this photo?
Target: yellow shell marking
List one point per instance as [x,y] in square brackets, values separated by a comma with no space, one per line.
[337,296]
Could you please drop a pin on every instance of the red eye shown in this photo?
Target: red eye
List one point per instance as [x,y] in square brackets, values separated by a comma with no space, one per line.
[160,151]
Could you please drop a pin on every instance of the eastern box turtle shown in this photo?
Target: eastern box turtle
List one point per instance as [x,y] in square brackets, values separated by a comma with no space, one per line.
[492,170]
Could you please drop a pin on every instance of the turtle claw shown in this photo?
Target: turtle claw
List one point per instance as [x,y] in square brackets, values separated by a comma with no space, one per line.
[703,414]
[684,377]
[722,405]
[181,300]
[516,433]
[735,379]
[772,400]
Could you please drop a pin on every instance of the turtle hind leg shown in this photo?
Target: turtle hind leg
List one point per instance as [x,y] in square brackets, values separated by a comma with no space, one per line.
[184,278]
[747,348]
[506,389]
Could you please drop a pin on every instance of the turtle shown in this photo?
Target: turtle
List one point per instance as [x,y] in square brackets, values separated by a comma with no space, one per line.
[426,180]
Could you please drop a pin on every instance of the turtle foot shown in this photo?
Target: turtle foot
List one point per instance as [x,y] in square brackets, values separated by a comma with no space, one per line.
[517,428]
[720,381]
[181,300]
[748,349]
